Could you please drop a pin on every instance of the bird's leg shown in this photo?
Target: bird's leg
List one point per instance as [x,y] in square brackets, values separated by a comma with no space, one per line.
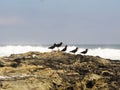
[58,48]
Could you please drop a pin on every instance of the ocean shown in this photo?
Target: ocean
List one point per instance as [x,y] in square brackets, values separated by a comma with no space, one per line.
[104,51]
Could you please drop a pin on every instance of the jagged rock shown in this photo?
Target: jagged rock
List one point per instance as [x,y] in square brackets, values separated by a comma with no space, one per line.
[58,71]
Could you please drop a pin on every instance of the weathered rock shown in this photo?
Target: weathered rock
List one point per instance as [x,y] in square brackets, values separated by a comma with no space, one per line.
[58,71]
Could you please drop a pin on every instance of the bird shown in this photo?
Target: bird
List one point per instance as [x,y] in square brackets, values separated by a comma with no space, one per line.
[75,50]
[65,48]
[53,46]
[84,52]
[59,44]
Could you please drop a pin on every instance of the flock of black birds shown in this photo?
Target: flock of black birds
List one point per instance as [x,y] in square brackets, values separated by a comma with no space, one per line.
[65,48]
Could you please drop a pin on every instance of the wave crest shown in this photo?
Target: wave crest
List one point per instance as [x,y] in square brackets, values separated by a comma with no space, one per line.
[108,53]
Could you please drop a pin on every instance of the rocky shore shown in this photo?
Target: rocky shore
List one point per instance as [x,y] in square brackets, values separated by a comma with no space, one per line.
[58,71]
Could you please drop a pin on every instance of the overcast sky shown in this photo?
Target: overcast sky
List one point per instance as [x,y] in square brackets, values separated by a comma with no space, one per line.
[70,21]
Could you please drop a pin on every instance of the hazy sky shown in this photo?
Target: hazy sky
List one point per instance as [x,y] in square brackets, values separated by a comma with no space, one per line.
[70,21]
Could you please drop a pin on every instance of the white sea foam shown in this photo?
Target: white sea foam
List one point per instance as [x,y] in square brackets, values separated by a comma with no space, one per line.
[7,50]
[108,53]
[113,54]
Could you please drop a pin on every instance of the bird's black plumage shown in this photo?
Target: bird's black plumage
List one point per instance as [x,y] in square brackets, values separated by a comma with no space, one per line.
[65,48]
[59,44]
[53,46]
[84,52]
[75,50]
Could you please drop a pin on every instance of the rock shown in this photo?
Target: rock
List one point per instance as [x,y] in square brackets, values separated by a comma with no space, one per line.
[1,85]
[58,71]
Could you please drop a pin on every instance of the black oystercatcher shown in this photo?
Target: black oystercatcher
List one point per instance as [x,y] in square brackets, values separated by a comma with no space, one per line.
[84,52]
[53,46]
[65,48]
[58,45]
[75,50]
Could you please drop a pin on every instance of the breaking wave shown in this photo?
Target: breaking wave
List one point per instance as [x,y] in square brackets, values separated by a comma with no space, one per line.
[108,53]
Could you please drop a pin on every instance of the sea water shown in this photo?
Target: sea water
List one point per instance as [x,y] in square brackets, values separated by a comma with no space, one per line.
[104,51]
